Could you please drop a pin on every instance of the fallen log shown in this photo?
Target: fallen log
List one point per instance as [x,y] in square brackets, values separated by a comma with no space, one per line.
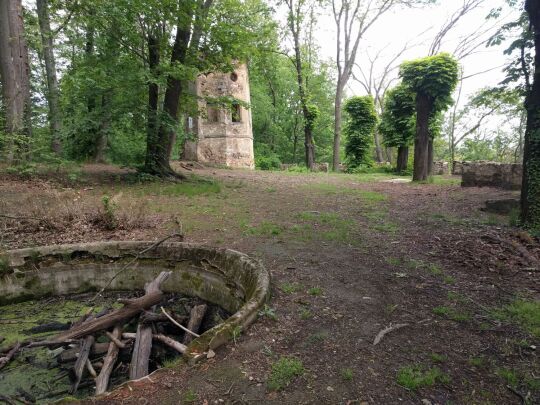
[138,367]
[81,363]
[195,318]
[102,380]
[174,344]
[117,317]
[70,355]
[7,358]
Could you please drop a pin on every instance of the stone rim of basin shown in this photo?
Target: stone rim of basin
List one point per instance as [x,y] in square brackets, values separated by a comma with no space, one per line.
[208,269]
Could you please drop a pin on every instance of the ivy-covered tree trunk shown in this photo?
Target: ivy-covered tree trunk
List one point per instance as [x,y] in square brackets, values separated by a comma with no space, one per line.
[402,158]
[153,98]
[530,191]
[50,70]
[424,105]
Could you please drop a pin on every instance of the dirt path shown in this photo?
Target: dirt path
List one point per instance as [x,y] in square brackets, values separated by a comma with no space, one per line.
[349,256]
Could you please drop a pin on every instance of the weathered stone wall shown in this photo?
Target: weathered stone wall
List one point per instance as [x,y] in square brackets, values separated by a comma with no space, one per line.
[491,174]
[440,168]
[219,135]
[457,168]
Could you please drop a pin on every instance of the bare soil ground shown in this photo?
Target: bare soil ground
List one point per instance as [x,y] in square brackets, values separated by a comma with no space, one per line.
[349,255]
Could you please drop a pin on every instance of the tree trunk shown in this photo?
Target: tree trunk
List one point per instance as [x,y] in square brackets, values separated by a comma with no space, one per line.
[530,190]
[157,154]
[337,127]
[402,159]
[378,149]
[14,73]
[103,132]
[430,156]
[153,98]
[421,142]
[55,120]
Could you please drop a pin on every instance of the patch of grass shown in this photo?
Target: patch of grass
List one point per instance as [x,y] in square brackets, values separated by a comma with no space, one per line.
[451,313]
[317,337]
[438,358]
[171,362]
[415,377]
[189,188]
[509,376]
[454,296]
[325,225]
[393,261]
[265,228]
[271,190]
[4,266]
[442,181]
[305,314]
[347,374]
[290,288]
[449,279]
[190,396]
[268,312]
[524,312]
[434,269]
[284,372]
[477,361]
[372,196]
[315,291]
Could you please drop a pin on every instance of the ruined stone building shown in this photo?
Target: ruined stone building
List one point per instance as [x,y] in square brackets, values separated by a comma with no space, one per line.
[221,135]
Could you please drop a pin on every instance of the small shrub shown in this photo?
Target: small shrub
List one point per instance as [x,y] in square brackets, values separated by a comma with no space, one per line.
[347,374]
[289,288]
[414,377]
[315,291]
[268,312]
[268,162]
[283,372]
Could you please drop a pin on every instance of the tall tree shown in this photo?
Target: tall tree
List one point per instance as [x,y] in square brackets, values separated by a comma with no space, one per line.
[359,127]
[15,75]
[47,37]
[296,10]
[530,190]
[432,79]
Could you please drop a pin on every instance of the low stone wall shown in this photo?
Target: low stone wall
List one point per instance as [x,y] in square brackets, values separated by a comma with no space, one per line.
[440,168]
[457,168]
[491,174]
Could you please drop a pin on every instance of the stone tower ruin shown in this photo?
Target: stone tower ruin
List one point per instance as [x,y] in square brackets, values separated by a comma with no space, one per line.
[221,135]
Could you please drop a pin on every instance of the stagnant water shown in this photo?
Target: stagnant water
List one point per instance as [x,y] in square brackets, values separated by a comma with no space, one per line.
[37,373]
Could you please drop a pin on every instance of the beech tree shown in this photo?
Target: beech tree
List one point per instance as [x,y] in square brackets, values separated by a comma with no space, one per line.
[432,79]
[530,190]
[15,76]
[359,128]
[398,122]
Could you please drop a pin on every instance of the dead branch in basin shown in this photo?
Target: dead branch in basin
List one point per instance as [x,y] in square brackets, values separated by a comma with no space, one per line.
[178,324]
[102,380]
[143,343]
[117,317]
[173,344]
[195,319]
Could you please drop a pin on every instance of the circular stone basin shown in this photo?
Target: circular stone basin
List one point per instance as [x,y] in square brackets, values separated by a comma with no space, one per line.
[224,277]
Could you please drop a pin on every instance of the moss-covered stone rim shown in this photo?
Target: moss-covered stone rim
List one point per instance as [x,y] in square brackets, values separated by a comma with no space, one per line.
[244,273]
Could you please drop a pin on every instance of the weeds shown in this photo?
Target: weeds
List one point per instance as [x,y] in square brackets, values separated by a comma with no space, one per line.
[451,313]
[315,291]
[290,288]
[438,358]
[415,377]
[265,228]
[347,374]
[525,313]
[317,337]
[268,312]
[283,372]
[305,314]
[190,396]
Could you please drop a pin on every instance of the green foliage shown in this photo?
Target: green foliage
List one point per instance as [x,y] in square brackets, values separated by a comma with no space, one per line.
[525,313]
[359,128]
[109,208]
[265,159]
[315,291]
[451,313]
[434,76]
[415,377]
[268,312]
[283,372]
[347,374]
[289,288]
[398,120]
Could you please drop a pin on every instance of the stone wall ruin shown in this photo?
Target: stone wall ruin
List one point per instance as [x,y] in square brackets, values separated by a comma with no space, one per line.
[221,135]
[490,174]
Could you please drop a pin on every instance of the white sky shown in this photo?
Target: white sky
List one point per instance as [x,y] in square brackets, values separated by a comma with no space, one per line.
[394,29]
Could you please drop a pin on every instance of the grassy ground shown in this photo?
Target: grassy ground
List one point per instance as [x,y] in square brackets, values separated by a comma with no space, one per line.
[349,256]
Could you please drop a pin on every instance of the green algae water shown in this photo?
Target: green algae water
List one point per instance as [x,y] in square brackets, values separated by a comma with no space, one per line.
[36,374]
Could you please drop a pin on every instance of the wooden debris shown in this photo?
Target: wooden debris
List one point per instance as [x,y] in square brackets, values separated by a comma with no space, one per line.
[179,347]
[80,364]
[177,323]
[143,343]
[115,339]
[195,319]
[117,317]
[386,330]
[102,381]
[7,358]
[70,355]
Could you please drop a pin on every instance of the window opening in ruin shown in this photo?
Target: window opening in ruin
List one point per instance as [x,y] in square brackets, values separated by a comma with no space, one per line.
[234,76]
[212,113]
[236,113]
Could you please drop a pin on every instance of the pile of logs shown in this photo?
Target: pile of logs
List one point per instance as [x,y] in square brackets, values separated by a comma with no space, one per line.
[118,350]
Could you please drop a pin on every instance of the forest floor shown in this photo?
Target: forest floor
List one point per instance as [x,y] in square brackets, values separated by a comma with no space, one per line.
[349,255]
